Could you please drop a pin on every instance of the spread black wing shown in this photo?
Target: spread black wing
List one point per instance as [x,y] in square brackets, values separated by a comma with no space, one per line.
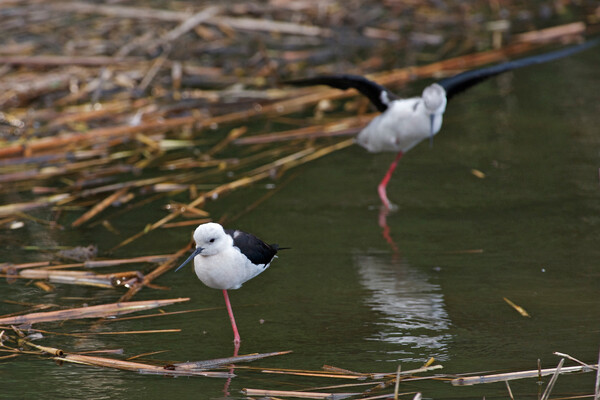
[379,96]
[465,80]
[252,247]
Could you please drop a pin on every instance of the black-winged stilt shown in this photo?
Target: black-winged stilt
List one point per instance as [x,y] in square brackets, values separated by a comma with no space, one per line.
[403,123]
[225,259]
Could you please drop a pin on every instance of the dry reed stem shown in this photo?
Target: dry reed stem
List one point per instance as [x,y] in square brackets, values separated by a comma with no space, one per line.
[187,25]
[296,394]
[319,374]
[550,386]
[135,366]
[474,380]
[510,394]
[219,362]
[111,263]
[98,208]
[347,126]
[552,33]
[519,309]
[85,278]
[406,373]
[35,308]
[98,311]
[162,314]
[557,353]
[150,331]
[48,60]
[252,24]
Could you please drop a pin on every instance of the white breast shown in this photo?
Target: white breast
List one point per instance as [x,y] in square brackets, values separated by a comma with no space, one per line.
[225,270]
[401,127]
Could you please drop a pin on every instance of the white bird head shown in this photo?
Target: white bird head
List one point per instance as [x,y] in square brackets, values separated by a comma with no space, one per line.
[210,239]
[434,97]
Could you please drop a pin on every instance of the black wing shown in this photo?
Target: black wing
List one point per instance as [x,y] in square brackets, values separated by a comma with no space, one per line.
[252,247]
[379,96]
[465,80]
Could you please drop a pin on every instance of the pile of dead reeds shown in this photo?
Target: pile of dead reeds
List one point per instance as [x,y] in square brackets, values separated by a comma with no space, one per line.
[123,116]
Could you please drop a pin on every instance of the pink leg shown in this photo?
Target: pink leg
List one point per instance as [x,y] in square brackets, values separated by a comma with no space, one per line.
[236,335]
[382,186]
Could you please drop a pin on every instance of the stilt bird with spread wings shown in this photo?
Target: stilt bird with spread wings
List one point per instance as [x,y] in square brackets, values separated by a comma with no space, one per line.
[403,123]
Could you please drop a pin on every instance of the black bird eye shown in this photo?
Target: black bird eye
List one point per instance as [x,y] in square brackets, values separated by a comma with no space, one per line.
[212,240]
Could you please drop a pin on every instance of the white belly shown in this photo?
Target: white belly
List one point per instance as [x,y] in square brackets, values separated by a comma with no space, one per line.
[399,128]
[225,270]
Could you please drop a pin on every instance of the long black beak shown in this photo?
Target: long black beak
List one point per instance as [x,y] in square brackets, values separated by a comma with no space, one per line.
[194,254]
[431,118]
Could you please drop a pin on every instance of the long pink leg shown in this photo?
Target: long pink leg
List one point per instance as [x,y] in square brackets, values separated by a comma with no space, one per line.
[236,335]
[382,186]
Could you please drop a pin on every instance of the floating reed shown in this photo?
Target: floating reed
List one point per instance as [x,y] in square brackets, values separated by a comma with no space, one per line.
[519,309]
[197,368]
[219,362]
[135,366]
[99,311]
[296,394]
[86,278]
[474,380]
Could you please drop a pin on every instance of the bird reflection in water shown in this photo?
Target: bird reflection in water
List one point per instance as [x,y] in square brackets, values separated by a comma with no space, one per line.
[412,308]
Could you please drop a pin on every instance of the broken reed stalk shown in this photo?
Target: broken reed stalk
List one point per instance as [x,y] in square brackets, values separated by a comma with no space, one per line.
[300,395]
[557,353]
[98,208]
[519,309]
[54,61]
[163,314]
[550,386]
[151,331]
[510,394]
[346,126]
[183,369]
[112,263]
[85,278]
[135,366]
[99,311]
[219,362]
[474,380]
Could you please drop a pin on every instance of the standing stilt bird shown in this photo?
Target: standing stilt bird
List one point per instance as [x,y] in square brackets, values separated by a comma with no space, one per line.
[225,259]
[404,123]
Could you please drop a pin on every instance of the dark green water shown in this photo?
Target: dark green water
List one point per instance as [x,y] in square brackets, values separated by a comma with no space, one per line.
[342,296]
